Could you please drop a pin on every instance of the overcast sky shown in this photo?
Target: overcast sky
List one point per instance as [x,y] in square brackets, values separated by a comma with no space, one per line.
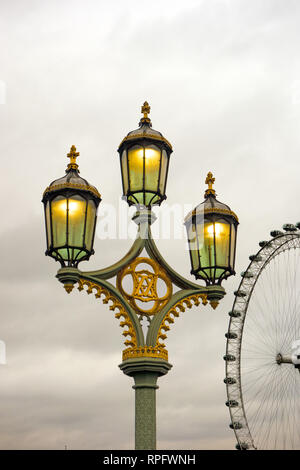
[223,82]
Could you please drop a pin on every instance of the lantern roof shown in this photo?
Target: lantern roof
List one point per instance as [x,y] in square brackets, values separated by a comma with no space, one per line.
[72,180]
[145,130]
[210,205]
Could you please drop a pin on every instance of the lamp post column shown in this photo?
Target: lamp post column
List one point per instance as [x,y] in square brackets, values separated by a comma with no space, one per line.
[145,372]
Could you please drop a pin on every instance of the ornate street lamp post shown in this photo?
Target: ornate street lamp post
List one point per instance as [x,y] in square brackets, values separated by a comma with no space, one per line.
[70,214]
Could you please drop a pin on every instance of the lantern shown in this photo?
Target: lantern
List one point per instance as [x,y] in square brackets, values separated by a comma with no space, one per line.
[144,158]
[70,205]
[211,230]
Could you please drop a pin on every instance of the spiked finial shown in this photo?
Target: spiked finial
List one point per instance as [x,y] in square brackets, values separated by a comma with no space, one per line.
[145,110]
[72,155]
[209,181]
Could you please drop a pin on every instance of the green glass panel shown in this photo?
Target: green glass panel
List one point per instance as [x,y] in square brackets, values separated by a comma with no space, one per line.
[59,220]
[219,273]
[163,172]
[222,235]
[81,255]
[193,247]
[155,199]
[77,254]
[48,224]
[63,253]
[136,167]
[151,198]
[232,248]
[90,223]
[137,198]
[125,172]
[76,208]
[152,165]
[205,236]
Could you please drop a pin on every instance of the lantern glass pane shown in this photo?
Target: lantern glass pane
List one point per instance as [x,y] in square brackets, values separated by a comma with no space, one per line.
[124,171]
[193,246]
[90,223]
[163,172]
[78,254]
[205,233]
[48,224]
[59,220]
[232,248]
[152,164]
[136,167]
[76,220]
[222,237]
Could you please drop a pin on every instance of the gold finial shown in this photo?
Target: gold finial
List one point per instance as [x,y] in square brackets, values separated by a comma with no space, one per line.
[72,156]
[69,287]
[145,110]
[209,181]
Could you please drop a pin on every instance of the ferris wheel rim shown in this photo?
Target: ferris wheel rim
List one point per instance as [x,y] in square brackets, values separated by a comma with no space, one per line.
[258,262]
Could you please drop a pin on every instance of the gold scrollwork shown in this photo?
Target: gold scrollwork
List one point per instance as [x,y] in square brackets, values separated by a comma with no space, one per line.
[145,286]
[116,304]
[174,312]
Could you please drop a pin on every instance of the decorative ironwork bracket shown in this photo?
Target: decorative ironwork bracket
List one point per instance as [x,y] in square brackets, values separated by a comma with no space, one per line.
[127,305]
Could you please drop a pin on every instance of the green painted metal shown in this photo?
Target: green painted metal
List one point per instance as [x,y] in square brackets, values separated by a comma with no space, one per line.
[111,271]
[145,372]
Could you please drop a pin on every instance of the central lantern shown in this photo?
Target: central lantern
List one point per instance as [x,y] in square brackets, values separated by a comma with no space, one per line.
[144,158]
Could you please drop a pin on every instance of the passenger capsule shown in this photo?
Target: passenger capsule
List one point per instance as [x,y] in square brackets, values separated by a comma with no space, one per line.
[229,381]
[232,403]
[247,274]
[289,227]
[234,314]
[240,293]
[229,357]
[276,233]
[235,425]
[230,335]
[242,446]
[255,258]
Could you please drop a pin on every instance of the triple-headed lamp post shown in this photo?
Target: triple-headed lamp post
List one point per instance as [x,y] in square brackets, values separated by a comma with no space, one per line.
[70,215]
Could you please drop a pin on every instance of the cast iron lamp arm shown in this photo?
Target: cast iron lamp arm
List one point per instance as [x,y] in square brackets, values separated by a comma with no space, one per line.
[214,292]
[176,278]
[111,271]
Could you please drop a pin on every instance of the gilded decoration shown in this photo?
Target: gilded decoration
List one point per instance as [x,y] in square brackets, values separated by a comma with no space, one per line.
[82,187]
[174,312]
[145,351]
[72,155]
[115,304]
[144,286]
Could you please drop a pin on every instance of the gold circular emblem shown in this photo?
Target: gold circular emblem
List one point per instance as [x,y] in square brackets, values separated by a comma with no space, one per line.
[143,286]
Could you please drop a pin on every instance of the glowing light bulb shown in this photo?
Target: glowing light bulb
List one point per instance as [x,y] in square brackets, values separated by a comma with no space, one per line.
[150,153]
[73,206]
[218,230]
